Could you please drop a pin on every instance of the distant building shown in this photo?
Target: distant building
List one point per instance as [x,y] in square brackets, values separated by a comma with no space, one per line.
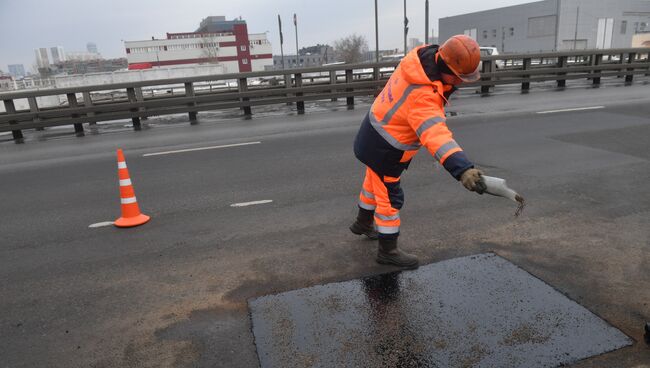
[34,82]
[219,24]
[309,56]
[42,60]
[414,42]
[550,25]
[58,55]
[7,83]
[384,55]
[72,67]
[82,56]
[91,47]
[16,70]
[216,41]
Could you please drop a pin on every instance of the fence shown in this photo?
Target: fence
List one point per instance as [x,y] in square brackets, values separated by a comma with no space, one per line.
[137,100]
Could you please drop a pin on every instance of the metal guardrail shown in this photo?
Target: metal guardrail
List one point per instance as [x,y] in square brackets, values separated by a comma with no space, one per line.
[88,104]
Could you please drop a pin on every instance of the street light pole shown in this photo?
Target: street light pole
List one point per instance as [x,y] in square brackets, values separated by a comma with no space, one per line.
[426,22]
[295,24]
[575,35]
[281,40]
[376,34]
[406,28]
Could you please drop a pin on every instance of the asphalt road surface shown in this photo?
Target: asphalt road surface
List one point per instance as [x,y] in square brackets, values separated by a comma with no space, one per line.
[173,292]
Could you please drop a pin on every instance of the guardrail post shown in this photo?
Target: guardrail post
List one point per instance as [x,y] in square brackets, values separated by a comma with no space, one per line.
[630,59]
[72,103]
[562,63]
[596,60]
[243,87]
[189,92]
[139,96]
[88,102]
[130,92]
[33,107]
[525,86]
[287,84]
[348,80]
[300,105]
[333,82]
[10,108]
[376,77]
[487,68]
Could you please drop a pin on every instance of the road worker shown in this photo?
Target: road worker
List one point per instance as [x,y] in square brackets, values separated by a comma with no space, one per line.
[409,113]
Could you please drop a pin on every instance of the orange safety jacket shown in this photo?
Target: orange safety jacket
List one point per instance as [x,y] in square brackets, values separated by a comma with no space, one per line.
[409,113]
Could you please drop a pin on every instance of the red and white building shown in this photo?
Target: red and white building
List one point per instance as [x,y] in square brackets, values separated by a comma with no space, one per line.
[224,42]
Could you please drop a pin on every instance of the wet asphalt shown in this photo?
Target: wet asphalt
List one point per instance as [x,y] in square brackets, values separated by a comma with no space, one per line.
[175,292]
[475,311]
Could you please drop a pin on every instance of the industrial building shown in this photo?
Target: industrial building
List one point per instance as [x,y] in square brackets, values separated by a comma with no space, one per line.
[215,41]
[17,70]
[554,25]
[42,60]
[309,57]
[82,56]
[58,54]
[7,83]
[71,67]
[91,47]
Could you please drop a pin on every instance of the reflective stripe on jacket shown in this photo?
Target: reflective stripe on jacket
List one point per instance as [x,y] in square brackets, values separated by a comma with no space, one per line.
[409,113]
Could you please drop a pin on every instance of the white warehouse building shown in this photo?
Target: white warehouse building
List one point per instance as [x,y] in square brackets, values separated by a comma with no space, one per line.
[554,25]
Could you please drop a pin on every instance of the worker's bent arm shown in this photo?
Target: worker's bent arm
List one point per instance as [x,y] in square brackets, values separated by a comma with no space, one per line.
[429,122]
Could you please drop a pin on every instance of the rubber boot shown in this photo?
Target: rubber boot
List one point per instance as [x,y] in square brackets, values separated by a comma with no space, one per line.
[364,225]
[390,254]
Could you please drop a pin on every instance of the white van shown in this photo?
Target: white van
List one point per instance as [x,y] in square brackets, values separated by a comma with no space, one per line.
[490,51]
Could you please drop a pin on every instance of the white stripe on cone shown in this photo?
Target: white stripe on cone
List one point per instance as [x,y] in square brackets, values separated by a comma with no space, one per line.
[121,165]
[125,182]
[128,200]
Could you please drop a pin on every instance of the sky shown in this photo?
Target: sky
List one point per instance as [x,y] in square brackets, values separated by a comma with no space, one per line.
[29,24]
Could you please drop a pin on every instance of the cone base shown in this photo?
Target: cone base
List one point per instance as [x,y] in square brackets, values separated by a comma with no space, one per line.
[131,221]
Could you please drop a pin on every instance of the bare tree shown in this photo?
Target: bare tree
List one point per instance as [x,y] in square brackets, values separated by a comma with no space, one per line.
[351,49]
[210,49]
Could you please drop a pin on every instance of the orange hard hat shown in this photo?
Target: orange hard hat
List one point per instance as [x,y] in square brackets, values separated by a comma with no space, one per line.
[462,55]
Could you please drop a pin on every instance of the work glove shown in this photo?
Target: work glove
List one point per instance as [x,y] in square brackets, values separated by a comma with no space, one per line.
[472,181]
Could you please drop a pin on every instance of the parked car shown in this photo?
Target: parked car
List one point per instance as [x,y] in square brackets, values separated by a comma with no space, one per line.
[490,51]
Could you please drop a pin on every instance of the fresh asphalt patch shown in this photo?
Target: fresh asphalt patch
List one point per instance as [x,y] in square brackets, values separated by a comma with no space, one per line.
[479,311]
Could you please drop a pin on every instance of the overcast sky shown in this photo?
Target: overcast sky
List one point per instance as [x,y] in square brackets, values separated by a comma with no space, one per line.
[29,24]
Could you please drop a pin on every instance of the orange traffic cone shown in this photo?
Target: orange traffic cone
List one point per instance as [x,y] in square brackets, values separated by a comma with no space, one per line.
[131,215]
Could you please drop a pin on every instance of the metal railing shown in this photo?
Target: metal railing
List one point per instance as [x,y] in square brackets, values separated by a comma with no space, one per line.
[138,100]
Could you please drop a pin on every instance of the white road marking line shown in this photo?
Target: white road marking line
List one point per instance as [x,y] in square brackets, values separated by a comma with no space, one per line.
[199,149]
[572,109]
[101,224]
[244,204]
